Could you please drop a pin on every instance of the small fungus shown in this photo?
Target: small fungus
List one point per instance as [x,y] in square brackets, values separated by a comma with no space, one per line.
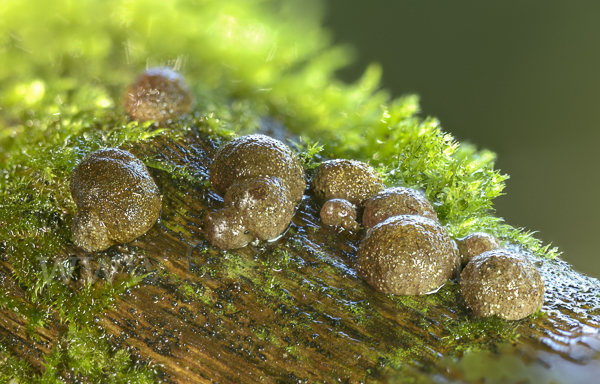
[264,204]
[351,180]
[408,255]
[394,202]
[117,199]
[226,229]
[339,212]
[261,179]
[502,283]
[159,94]
[475,244]
[257,156]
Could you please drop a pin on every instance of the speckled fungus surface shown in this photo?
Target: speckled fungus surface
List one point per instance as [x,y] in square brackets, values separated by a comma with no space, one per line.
[264,203]
[261,179]
[408,255]
[350,180]
[475,244]
[159,94]
[502,283]
[227,229]
[117,199]
[339,212]
[257,156]
[394,202]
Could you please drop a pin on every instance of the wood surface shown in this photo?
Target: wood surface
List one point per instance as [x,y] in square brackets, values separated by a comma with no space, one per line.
[293,310]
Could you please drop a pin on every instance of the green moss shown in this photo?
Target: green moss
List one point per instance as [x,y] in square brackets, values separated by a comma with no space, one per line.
[308,153]
[85,355]
[13,367]
[89,356]
[484,330]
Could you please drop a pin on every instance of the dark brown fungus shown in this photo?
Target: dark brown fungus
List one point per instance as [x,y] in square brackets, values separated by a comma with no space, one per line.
[339,212]
[259,156]
[263,203]
[502,283]
[393,202]
[117,199]
[351,180]
[226,229]
[475,244]
[408,255]
[159,94]
[261,179]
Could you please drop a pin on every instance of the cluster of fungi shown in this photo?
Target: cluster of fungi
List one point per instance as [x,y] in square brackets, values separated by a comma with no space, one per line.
[404,249]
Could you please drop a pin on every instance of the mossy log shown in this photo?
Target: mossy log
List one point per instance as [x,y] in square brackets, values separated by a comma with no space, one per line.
[291,310]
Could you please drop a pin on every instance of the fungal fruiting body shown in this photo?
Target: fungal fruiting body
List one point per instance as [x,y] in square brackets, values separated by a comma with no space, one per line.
[255,156]
[159,94]
[339,212]
[393,202]
[408,255]
[502,283]
[345,184]
[264,203]
[261,180]
[350,180]
[117,199]
[475,244]
[227,229]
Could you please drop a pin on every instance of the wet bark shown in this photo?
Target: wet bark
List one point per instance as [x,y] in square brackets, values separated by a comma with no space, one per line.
[293,310]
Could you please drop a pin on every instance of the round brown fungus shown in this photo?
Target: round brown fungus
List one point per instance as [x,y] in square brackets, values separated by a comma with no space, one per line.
[159,94]
[226,229]
[261,179]
[394,202]
[117,199]
[408,255]
[263,203]
[339,212]
[350,180]
[259,156]
[475,244]
[502,283]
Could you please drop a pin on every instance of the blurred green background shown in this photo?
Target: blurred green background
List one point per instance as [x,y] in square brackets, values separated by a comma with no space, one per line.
[521,78]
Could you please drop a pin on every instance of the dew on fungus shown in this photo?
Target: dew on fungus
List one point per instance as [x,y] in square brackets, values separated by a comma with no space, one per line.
[159,94]
[351,180]
[339,212]
[394,202]
[408,255]
[117,199]
[502,283]
[475,244]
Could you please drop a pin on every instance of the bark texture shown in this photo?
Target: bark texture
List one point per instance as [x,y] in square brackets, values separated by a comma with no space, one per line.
[292,310]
